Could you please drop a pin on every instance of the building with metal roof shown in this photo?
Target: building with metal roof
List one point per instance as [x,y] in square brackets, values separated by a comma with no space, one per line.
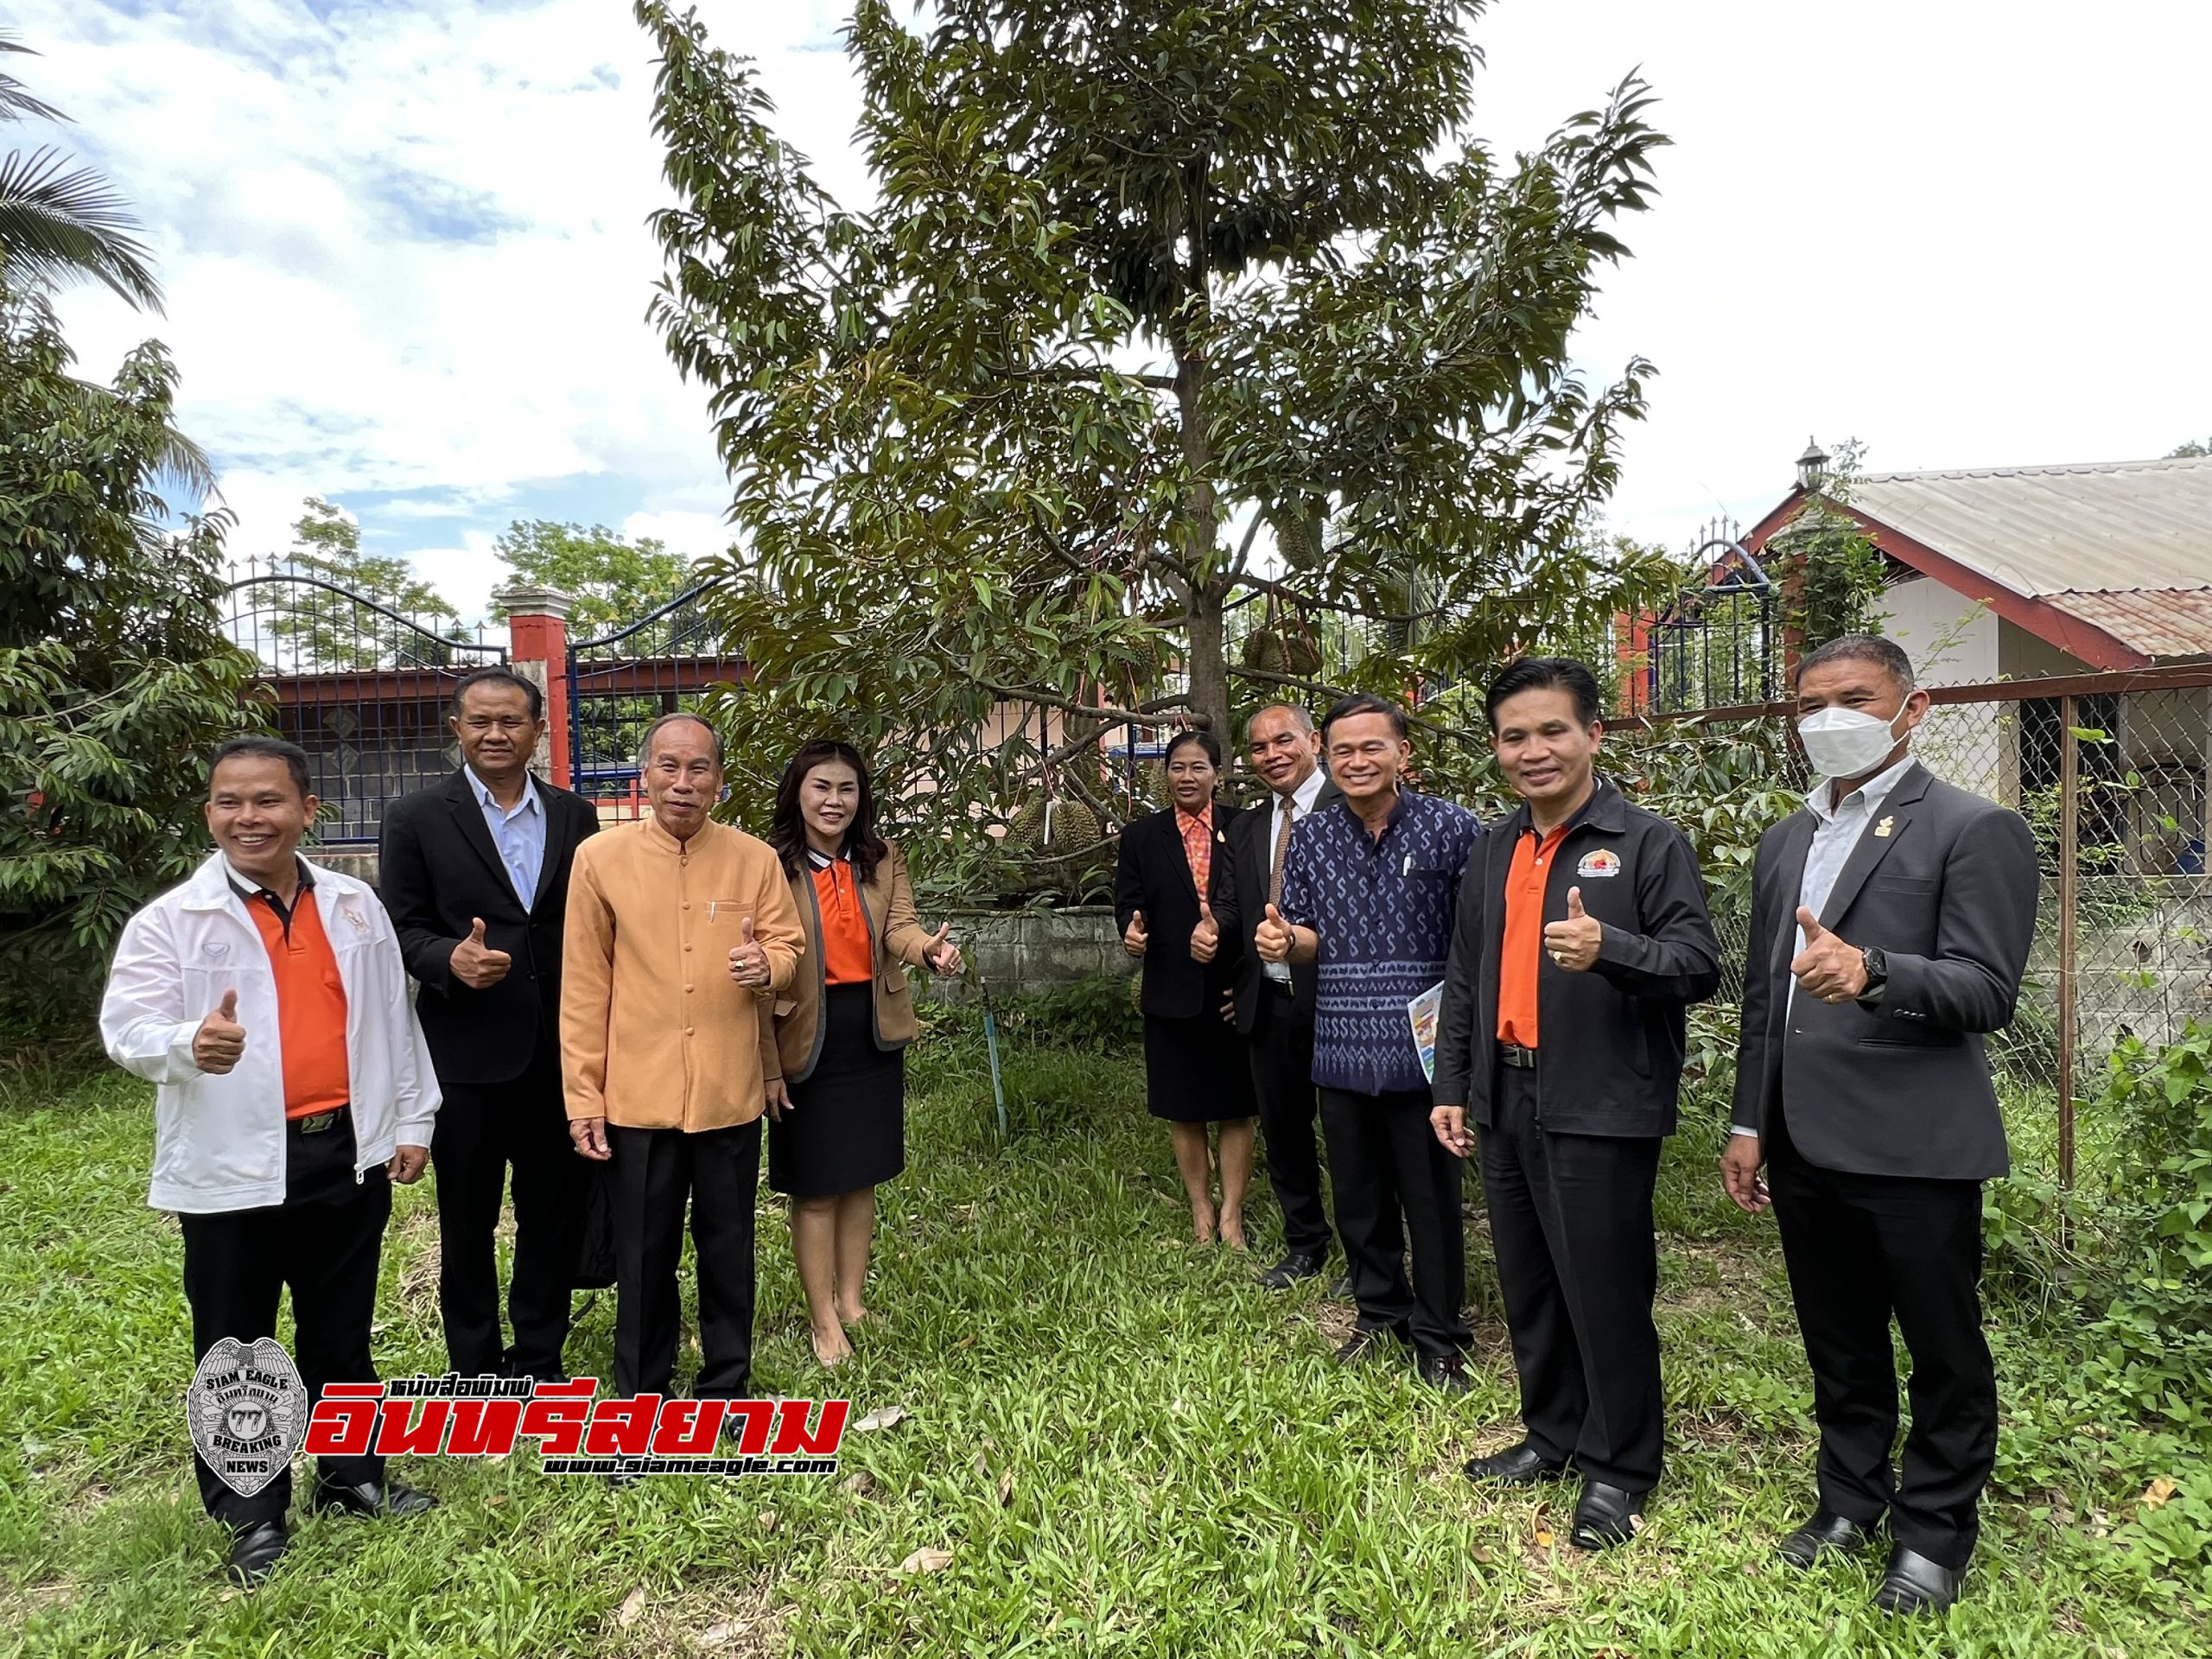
[2016,572]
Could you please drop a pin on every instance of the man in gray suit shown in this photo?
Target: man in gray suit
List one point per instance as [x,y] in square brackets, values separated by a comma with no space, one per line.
[1890,923]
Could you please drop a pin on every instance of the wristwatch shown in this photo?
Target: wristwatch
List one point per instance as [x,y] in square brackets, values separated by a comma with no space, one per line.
[1878,973]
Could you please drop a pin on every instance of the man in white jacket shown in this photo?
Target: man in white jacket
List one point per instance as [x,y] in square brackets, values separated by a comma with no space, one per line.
[267,999]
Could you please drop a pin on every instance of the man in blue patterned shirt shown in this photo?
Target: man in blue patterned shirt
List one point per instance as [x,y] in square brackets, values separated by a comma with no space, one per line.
[1368,893]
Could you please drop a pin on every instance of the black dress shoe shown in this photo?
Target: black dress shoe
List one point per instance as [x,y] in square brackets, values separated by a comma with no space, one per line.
[1520,1465]
[1341,1291]
[1825,1534]
[254,1551]
[1445,1371]
[1605,1517]
[1914,1584]
[1298,1264]
[370,1497]
[1380,1344]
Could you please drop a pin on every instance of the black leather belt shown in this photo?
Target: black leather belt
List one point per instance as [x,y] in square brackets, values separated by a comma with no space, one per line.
[316,1123]
[1512,1054]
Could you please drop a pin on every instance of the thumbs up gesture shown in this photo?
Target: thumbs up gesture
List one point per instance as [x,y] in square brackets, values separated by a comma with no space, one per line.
[476,965]
[1206,937]
[1272,938]
[1573,943]
[941,953]
[748,958]
[1827,967]
[1133,936]
[220,1040]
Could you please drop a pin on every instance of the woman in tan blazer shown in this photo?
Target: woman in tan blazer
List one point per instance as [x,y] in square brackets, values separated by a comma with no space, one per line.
[837,1113]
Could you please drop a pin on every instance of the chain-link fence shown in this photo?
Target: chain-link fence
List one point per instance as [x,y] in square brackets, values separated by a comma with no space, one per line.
[2110,772]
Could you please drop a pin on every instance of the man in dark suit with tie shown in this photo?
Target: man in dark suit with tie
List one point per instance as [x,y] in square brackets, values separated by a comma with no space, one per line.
[1890,921]
[475,873]
[1273,1002]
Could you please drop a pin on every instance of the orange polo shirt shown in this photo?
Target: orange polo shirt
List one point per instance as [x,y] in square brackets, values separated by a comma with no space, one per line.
[847,953]
[310,1003]
[1522,957]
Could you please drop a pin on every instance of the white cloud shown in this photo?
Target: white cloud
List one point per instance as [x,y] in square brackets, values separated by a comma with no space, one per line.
[405,251]
[694,535]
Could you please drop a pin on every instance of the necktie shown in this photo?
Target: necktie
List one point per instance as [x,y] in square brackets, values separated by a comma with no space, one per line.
[1282,849]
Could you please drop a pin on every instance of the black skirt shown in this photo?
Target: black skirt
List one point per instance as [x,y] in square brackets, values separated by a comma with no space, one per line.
[1195,1070]
[846,1127]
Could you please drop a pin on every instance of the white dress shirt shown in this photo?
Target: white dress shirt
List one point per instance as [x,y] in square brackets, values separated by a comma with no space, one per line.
[1840,824]
[519,832]
[1300,804]
[1836,830]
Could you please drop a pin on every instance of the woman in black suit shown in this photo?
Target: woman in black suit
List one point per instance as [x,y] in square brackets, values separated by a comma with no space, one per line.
[1175,899]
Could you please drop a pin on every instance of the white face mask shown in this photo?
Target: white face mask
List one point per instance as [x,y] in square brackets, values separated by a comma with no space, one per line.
[1845,743]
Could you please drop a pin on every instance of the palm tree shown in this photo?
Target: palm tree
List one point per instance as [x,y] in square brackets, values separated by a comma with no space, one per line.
[61,224]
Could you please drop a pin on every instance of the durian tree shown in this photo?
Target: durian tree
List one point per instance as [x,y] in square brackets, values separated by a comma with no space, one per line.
[1161,311]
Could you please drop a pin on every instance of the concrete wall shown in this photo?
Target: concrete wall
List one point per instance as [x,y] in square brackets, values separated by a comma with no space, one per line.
[359,862]
[2025,656]
[1018,951]
[1952,640]
[1014,950]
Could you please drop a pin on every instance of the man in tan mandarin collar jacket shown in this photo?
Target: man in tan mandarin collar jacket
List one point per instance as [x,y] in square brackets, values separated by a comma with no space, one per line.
[680,932]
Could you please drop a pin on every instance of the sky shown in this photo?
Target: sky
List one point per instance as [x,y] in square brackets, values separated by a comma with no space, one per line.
[405,256]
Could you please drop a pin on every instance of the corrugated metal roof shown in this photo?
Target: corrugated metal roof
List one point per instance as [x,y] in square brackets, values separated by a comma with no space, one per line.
[2156,621]
[2059,530]
[2125,546]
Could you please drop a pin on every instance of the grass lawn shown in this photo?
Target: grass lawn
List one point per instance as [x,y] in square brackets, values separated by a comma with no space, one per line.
[1125,1446]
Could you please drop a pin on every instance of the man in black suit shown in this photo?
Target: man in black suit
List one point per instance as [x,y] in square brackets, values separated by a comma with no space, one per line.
[1273,1002]
[1890,921]
[1582,937]
[475,873]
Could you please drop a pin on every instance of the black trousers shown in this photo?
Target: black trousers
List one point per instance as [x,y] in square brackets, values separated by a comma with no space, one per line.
[1861,1250]
[1578,1265]
[1396,1187]
[483,1129]
[655,1171]
[1281,1049]
[324,1241]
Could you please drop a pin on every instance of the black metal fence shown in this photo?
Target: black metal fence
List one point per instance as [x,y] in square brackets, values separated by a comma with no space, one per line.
[362,686]
[1720,644]
[620,682]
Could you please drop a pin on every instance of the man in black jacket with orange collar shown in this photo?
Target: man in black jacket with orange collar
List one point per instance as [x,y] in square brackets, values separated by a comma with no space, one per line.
[1582,936]
[475,873]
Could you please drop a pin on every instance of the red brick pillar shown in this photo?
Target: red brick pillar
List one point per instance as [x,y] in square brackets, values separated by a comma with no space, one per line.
[537,649]
[1632,660]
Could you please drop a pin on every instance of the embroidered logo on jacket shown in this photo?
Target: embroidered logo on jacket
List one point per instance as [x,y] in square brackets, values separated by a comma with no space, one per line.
[1604,862]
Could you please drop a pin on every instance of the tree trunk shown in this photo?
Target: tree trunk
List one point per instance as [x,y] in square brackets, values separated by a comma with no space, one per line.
[1204,627]
[1209,663]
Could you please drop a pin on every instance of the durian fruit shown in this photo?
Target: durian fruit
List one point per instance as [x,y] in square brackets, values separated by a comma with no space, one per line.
[1298,530]
[1152,784]
[1283,647]
[1046,824]
[1051,844]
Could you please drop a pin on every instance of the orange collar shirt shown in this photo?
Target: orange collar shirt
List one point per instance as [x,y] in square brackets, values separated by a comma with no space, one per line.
[310,998]
[1521,959]
[848,947]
